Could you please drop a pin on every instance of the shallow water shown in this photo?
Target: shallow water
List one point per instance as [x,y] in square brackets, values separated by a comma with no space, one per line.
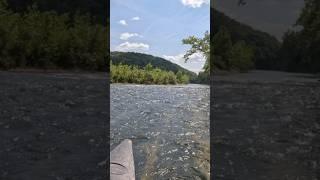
[169,126]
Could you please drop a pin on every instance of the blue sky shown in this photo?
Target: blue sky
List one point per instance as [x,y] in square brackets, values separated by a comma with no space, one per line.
[157,27]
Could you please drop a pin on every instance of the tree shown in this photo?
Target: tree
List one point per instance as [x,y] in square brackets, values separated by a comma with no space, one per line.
[201,45]
[300,50]
[179,75]
[184,79]
[240,57]
[310,35]
[46,39]
[222,47]
[148,67]
[122,73]
[203,78]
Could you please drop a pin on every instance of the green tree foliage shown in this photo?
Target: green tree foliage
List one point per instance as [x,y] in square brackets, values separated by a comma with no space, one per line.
[290,52]
[201,45]
[182,78]
[265,46]
[121,73]
[96,8]
[222,46]
[203,78]
[310,17]
[301,49]
[49,40]
[240,57]
[148,67]
[226,55]
[141,60]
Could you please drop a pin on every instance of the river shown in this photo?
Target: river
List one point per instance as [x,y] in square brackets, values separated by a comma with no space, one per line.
[169,127]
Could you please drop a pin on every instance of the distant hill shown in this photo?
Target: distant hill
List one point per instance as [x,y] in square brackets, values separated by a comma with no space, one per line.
[141,60]
[266,46]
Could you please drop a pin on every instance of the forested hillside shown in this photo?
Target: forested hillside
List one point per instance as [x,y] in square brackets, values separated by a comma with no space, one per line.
[265,47]
[141,60]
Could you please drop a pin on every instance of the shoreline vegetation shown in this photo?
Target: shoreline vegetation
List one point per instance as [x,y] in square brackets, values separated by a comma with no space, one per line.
[48,40]
[122,73]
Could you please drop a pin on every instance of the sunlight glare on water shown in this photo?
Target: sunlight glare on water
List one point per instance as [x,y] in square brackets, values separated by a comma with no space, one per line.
[169,127]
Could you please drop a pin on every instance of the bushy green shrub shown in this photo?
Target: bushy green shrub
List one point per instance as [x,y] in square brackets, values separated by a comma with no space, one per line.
[182,78]
[122,73]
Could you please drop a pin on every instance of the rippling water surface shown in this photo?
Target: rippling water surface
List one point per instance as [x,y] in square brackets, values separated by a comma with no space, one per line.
[169,126]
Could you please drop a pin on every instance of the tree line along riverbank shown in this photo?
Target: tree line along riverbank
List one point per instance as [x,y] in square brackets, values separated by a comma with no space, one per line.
[122,73]
[50,40]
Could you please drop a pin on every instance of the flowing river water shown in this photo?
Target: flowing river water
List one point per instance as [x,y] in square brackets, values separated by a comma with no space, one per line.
[169,127]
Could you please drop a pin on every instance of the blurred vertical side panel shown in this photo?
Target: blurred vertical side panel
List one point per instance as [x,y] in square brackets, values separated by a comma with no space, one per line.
[266,103]
[212,127]
[54,89]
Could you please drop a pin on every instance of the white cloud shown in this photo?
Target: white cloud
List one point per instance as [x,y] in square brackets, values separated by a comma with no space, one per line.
[195,62]
[195,3]
[135,18]
[123,22]
[126,36]
[127,46]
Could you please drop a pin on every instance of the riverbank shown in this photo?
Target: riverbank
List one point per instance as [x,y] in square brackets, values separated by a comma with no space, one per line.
[53,125]
[266,126]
